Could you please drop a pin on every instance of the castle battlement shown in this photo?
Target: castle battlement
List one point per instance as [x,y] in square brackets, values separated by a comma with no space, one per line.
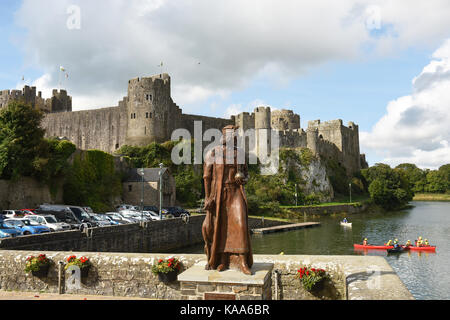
[148,114]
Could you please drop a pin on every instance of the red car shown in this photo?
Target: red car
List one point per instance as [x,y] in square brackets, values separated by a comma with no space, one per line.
[28,211]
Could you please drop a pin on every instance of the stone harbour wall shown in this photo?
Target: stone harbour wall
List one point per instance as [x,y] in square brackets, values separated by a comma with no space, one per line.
[129,274]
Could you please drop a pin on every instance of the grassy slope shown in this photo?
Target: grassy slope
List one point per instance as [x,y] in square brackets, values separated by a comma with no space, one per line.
[432,197]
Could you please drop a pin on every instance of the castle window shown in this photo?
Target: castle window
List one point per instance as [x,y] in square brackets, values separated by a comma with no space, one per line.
[146,115]
[117,146]
[149,97]
[130,188]
[150,115]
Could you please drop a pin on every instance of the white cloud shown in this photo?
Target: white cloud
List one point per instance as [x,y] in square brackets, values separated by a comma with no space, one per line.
[237,108]
[211,48]
[416,128]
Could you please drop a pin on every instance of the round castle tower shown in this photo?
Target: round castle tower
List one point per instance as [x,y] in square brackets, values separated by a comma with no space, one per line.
[285,120]
[148,110]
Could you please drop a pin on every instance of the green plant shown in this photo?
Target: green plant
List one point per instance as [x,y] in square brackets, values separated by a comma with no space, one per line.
[36,263]
[310,277]
[166,266]
[81,263]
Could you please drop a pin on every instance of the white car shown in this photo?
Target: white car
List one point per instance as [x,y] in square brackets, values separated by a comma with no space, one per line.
[9,214]
[49,221]
[152,215]
[118,217]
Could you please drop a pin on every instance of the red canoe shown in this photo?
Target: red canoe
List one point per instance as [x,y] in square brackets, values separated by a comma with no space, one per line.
[413,248]
[361,246]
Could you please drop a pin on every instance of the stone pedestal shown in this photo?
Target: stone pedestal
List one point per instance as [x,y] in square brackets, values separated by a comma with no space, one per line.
[196,283]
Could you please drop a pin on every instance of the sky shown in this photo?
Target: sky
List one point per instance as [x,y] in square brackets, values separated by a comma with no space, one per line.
[384,65]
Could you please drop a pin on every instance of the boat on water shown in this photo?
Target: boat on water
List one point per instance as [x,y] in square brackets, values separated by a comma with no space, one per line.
[346,224]
[411,248]
[426,248]
[365,247]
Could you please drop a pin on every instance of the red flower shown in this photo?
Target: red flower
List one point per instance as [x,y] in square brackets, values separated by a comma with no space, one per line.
[307,273]
[160,260]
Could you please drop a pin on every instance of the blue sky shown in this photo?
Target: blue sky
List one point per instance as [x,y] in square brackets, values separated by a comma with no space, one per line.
[322,63]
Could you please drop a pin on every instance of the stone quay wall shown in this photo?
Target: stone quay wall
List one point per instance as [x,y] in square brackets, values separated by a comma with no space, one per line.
[155,236]
[129,274]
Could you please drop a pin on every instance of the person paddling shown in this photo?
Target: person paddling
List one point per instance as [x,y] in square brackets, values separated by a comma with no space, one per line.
[365,242]
[389,243]
[426,244]
[408,243]
[345,220]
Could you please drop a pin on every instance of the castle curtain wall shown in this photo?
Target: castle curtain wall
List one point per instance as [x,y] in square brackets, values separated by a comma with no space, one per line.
[103,129]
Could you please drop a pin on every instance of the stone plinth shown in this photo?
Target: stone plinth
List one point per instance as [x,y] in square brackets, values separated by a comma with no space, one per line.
[196,283]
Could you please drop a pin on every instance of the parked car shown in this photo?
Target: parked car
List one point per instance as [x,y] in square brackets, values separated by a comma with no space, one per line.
[113,222]
[49,221]
[155,209]
[126,207]
[102,222]
[7,231]
[152,215]
[28,211]
[69,213]
[118,217]
[12,214]
[25,226]
[177,211]
[136,215]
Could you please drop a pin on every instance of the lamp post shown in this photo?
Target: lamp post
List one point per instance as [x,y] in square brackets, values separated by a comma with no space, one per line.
[350,188]
[141,172]
[296,202]
[160,190]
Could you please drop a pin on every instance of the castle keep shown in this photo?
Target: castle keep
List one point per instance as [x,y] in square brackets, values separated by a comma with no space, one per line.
[148,114]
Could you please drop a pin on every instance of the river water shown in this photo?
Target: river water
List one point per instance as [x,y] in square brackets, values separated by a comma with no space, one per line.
[426,275]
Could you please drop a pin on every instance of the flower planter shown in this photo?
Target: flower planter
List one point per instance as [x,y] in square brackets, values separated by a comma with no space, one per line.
[42,272]
[168,277]
[85,271]
[318,286]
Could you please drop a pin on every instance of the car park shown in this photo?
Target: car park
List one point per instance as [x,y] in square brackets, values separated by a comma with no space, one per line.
[49,221]
[74,215]
[25,226]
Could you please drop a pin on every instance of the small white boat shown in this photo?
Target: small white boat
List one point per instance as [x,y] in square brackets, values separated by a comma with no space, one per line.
[346,224]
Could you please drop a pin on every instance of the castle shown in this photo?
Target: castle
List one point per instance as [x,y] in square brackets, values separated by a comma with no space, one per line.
[148,114]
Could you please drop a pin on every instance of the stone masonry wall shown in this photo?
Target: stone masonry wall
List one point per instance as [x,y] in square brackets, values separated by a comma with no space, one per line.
[129,274]
[26,193]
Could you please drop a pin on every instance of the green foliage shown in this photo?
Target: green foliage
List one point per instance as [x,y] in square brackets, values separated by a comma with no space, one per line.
[36,263]
[310,277]
[189,186]
[92,181]
[20,139]
[388,188]
[432,181]
[337,175]
[166,266]
[81,263]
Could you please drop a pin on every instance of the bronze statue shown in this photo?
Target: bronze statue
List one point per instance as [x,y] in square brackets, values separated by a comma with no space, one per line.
[225,228]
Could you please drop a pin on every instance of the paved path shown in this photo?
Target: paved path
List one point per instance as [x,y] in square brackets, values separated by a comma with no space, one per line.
[15,295]
[286,227]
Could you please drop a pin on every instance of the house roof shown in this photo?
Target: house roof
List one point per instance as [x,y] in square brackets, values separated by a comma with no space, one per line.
[150,175]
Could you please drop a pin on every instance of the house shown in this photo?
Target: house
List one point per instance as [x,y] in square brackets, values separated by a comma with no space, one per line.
[133,184]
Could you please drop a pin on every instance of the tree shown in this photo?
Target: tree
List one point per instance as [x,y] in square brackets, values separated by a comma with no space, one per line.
[388,188]
[436,182]
[416,176]
[21,139]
